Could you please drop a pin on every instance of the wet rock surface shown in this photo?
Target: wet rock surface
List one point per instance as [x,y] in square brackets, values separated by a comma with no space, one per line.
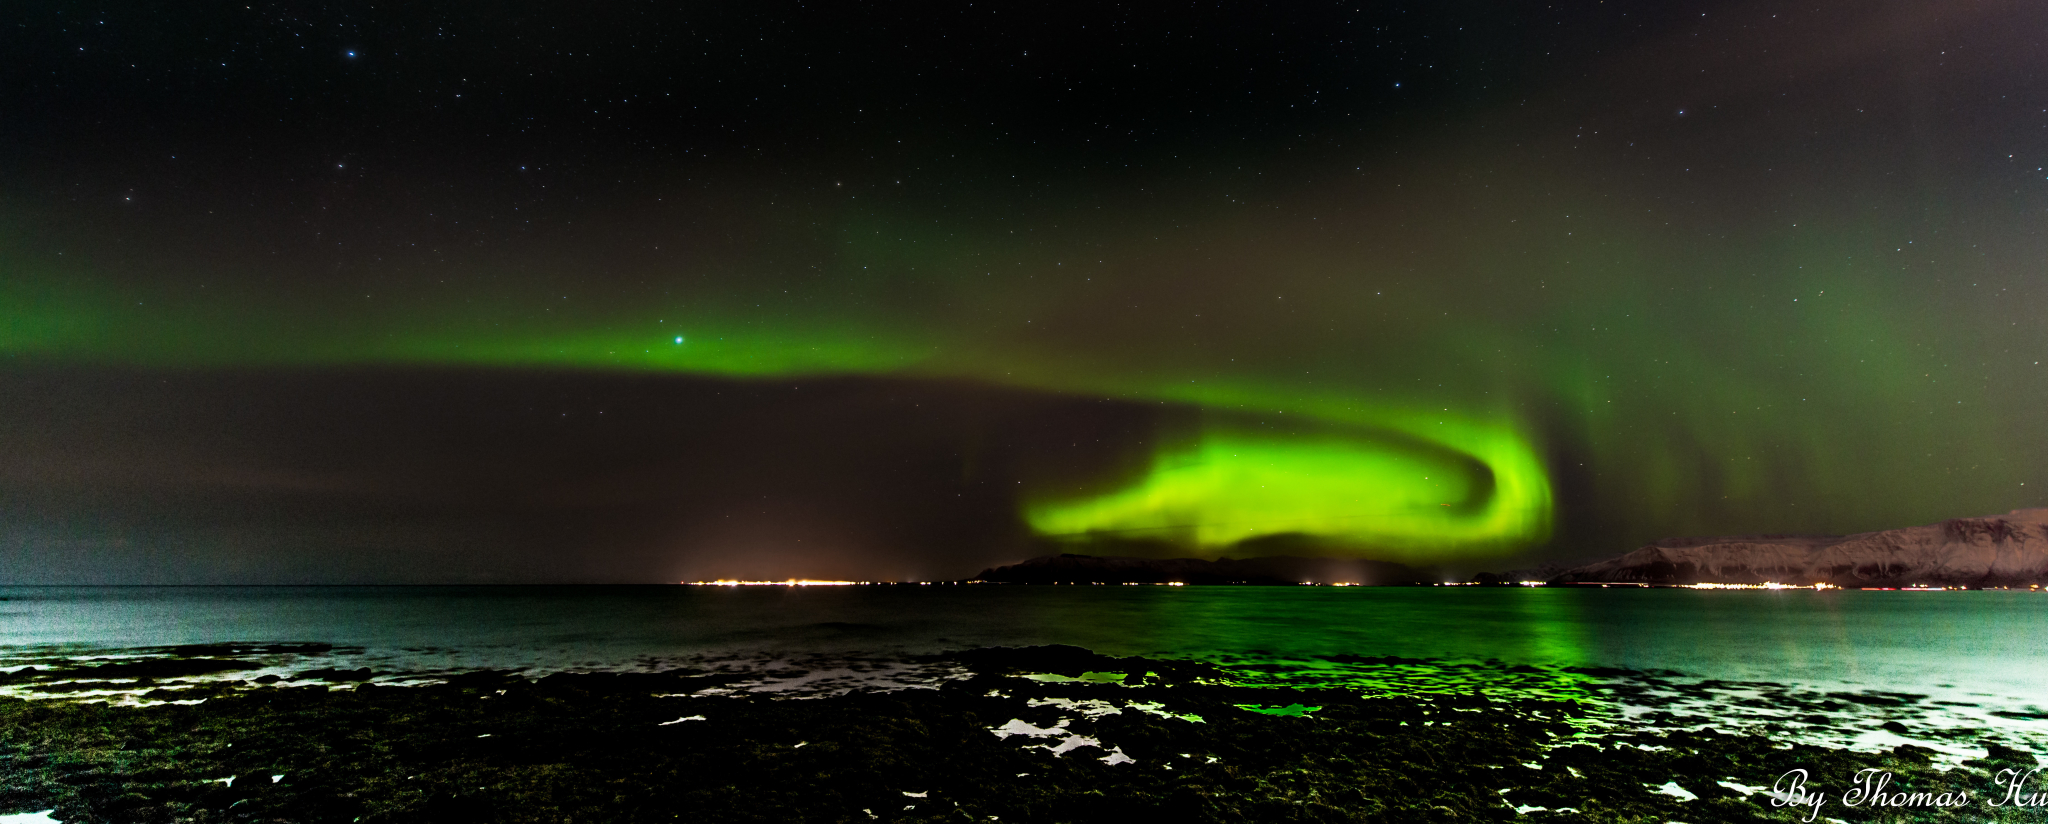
[1045,734]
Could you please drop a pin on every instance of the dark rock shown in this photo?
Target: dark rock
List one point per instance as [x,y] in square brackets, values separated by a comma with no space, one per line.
[332,674]
[2007,755]
[160,668]
[1366,659]
[614,748]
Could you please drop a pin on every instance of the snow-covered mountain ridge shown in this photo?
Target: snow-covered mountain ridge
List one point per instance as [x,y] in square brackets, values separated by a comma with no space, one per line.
[2003,550]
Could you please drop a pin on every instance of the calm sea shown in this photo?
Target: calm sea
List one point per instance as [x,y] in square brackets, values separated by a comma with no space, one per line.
[1950,668]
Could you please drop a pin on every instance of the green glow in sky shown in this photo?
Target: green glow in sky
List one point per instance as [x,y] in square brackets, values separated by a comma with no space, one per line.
[1412,501]
[1394,481]
[1414,362]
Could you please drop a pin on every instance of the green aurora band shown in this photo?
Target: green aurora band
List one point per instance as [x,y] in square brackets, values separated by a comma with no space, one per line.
[1434,341]
[1404,481]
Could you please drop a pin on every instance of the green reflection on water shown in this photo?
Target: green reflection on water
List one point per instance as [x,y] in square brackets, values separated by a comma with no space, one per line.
[1403,640]
[1289,711]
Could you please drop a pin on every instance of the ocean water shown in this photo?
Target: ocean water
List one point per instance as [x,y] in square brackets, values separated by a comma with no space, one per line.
[1946,670]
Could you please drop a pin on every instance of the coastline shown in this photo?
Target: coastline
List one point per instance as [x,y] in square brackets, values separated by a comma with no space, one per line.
[1009,734]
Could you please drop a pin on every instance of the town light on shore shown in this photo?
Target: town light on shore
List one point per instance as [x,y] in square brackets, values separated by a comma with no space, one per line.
[1764,585]
[793,582]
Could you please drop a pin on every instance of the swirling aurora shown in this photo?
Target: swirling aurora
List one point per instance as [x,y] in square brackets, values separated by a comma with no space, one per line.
[1530,313]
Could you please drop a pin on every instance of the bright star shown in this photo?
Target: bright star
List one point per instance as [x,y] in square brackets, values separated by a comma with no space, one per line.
[679,339]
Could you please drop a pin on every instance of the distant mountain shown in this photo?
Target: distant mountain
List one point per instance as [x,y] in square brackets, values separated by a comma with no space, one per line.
[1276,570]
[2006,550]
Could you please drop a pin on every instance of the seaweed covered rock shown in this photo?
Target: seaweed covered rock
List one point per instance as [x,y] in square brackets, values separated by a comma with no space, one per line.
[1002,743]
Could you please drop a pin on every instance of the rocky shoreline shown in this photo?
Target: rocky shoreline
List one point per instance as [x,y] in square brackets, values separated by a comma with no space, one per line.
[1045,734]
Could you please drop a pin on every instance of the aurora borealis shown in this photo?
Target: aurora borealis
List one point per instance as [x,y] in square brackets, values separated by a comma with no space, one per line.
[1468,283]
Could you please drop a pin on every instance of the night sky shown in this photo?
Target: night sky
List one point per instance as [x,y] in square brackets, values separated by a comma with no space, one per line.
[530,292]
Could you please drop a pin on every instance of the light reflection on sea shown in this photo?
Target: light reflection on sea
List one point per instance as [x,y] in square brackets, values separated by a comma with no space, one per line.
[1949,668]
